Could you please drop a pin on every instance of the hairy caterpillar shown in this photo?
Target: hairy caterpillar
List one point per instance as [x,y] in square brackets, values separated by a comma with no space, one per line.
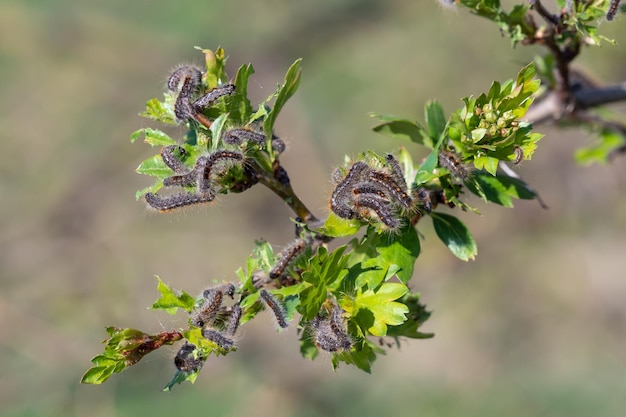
[275,306]
[340,200]
[287,256]
[206,100]
[185,359]
[225,343]
[165,204]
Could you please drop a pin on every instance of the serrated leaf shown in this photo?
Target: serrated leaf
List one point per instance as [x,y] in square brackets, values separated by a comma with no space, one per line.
[403,129]
[158,110]
[383,307]
[171,301]
[289,87]
[154,137]
[154,167]
[487,163]
[455,235]
[335,226]
[416,316]
[362,356]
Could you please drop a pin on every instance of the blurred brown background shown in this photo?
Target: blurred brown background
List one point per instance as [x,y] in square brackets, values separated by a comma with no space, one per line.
[535,326]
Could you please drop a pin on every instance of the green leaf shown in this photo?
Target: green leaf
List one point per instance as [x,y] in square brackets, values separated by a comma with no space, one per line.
[416,316]
[289,87]
[216,131]
[321,271]
[160,111]
[487,163]
[215,66]
[239,105]
[155,167]
[403,129]
[499,189]
[383,307]
[151,189]
[435,119]
[170,301]
[154,137]
[335,226]
[362,356]
[455,235]
[601,151]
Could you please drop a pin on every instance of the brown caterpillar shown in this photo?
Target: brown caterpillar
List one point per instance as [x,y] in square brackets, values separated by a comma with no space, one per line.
[399,194]
[233,320]
[366,202]
[340,200]
[287,256]
[210,305]
[449,161]
[613,7]
[276,307]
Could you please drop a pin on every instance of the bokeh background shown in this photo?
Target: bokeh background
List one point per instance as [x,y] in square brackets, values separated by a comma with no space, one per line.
[535,326]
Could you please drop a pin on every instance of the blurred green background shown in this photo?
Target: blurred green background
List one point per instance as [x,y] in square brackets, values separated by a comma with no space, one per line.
[535,326]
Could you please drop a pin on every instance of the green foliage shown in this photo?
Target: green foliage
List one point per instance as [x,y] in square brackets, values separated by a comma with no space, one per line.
[343,298]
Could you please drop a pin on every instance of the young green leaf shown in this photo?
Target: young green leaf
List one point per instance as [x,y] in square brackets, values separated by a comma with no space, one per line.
[239,105]
[455,235]
[155,167]
[335,226]
[403,129]
[154,137]
[170,300]
[289,87]
[382,306]
[435,119]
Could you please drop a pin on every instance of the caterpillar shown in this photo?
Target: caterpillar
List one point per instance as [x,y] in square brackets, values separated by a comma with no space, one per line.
[287,256]
[212,301]
[237,136]
[185,359]
[183,72]
[165,204]
[205,165]
[366,202]
[341,196]
[233,320]
[613,7]
[388,182]
[275,306]
[449,161]
[206,100]
[225,343]
[173,161]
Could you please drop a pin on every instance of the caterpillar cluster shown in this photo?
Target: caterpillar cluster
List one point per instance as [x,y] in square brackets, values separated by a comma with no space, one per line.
[376,195]
[203,177]
[219,325]
[186,82]
[330,332]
